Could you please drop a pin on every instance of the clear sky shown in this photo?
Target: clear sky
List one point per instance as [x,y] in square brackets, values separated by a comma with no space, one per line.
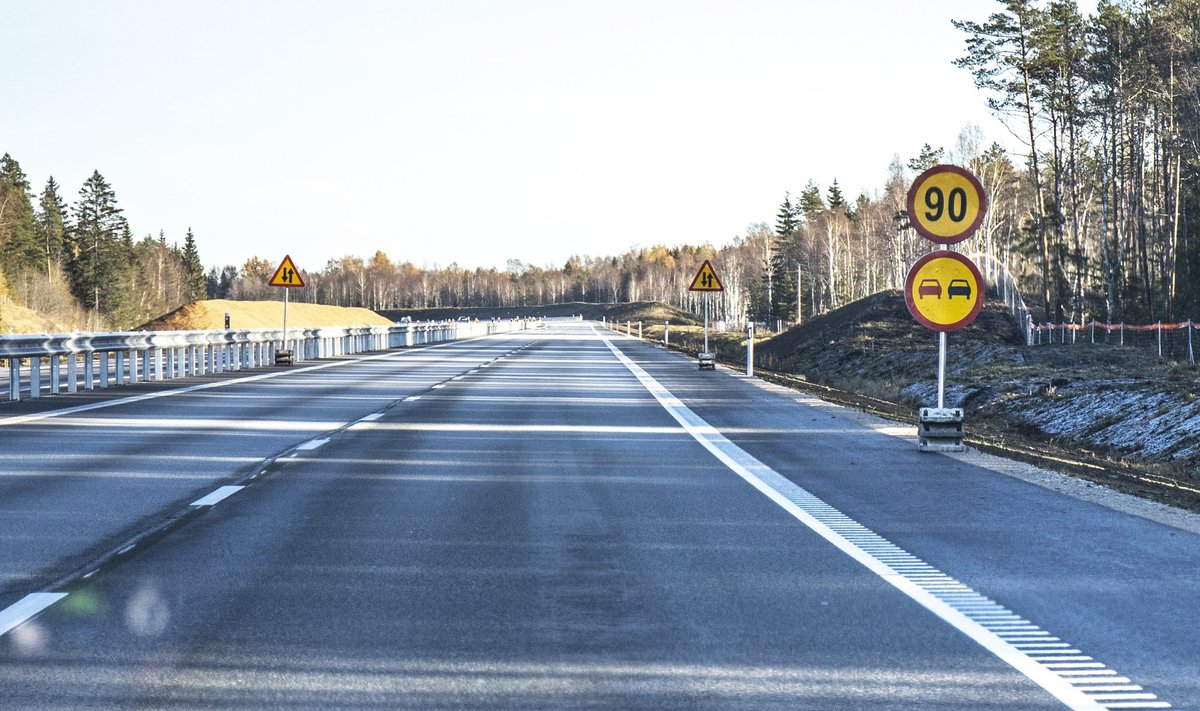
[473,132]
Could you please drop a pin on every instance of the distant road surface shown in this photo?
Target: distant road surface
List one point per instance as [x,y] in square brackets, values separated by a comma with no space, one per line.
[563,518]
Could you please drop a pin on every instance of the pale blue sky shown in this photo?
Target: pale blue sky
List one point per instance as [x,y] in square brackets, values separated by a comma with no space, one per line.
[473,132]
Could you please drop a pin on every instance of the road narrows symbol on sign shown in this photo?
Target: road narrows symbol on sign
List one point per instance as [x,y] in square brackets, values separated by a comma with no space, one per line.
[946,204]
[706,279]
[287,274]
[944,291]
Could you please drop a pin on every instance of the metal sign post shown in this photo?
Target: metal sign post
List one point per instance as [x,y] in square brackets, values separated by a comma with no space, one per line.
[706,323]
[941,369]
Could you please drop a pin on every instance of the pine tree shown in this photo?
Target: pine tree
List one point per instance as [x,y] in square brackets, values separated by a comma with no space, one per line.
[928,158]
[811,203]
[193,270]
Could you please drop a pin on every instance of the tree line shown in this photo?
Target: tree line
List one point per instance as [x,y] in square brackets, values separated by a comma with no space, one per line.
[1108,109]
[1095,215]
[79,264]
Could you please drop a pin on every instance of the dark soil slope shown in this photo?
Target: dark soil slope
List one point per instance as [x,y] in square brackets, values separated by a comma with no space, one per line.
[877,339]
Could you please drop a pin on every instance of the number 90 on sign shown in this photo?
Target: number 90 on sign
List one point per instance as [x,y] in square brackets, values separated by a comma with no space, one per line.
[946,204]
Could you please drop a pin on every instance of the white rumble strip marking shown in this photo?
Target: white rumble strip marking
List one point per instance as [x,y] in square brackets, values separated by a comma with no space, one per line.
[1008,636]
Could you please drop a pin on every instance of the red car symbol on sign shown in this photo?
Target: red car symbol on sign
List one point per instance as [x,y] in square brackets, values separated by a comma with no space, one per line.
[929,287]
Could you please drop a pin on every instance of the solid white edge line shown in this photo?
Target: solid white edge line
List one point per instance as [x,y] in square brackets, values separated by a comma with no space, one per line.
[217,496]
[26,609]
[745,465]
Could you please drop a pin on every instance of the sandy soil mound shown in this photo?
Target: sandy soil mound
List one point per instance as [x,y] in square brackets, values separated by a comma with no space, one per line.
[207,315]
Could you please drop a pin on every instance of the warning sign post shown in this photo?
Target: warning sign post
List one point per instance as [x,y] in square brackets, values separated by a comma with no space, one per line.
[706,280]
[288,277]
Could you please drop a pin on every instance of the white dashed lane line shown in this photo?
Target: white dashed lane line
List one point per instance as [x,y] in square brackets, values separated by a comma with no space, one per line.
[217,496]
[312,444]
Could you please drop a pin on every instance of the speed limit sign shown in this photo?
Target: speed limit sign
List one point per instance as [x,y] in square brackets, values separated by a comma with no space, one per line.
[946,204]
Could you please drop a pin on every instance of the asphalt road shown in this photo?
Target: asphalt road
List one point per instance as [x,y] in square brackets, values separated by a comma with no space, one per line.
[561,519]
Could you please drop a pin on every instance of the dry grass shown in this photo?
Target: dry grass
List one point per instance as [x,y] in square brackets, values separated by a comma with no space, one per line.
[206,315]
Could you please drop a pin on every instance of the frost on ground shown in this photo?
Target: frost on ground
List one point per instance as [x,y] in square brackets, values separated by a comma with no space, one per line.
[1141,419]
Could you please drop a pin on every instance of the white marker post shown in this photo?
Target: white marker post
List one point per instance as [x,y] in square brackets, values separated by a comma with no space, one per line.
[750,349]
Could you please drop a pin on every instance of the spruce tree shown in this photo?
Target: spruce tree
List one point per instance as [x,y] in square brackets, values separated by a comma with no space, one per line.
[193,270]
[786,256]
[51,226]
[94,263]
[18,226]
[837,201]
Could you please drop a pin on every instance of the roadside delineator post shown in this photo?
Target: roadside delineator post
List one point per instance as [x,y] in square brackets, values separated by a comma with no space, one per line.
[750,349]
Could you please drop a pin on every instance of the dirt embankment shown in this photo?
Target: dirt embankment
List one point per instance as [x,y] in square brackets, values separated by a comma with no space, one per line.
[209,315]
[645,311]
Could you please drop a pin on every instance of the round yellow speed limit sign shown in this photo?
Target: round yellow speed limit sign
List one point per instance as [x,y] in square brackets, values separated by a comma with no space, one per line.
[944,291]
[946,204]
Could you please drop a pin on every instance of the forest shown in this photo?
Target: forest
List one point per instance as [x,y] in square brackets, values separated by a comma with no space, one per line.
[1096,212]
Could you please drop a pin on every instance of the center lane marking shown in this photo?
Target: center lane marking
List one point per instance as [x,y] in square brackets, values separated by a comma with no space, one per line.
[950,600]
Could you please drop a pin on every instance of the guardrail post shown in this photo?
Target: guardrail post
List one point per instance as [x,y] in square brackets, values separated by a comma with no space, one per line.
[73,372]
[146,365]
[133,367]
[89,371]
[667,333]
[119,357]
[35,376]
[104,375]
[55,384]
[14,379]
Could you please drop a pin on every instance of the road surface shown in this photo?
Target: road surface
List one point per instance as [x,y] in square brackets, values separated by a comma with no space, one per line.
[565,518]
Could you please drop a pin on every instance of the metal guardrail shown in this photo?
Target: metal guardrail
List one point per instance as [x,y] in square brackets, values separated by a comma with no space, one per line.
[129,357]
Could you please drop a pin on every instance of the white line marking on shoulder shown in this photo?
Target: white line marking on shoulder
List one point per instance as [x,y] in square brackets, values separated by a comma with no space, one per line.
[217,496]
[26,609]
[937,592]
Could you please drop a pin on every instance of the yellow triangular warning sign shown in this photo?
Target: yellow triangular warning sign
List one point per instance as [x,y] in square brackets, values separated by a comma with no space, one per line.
[706,279]
[287,274]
